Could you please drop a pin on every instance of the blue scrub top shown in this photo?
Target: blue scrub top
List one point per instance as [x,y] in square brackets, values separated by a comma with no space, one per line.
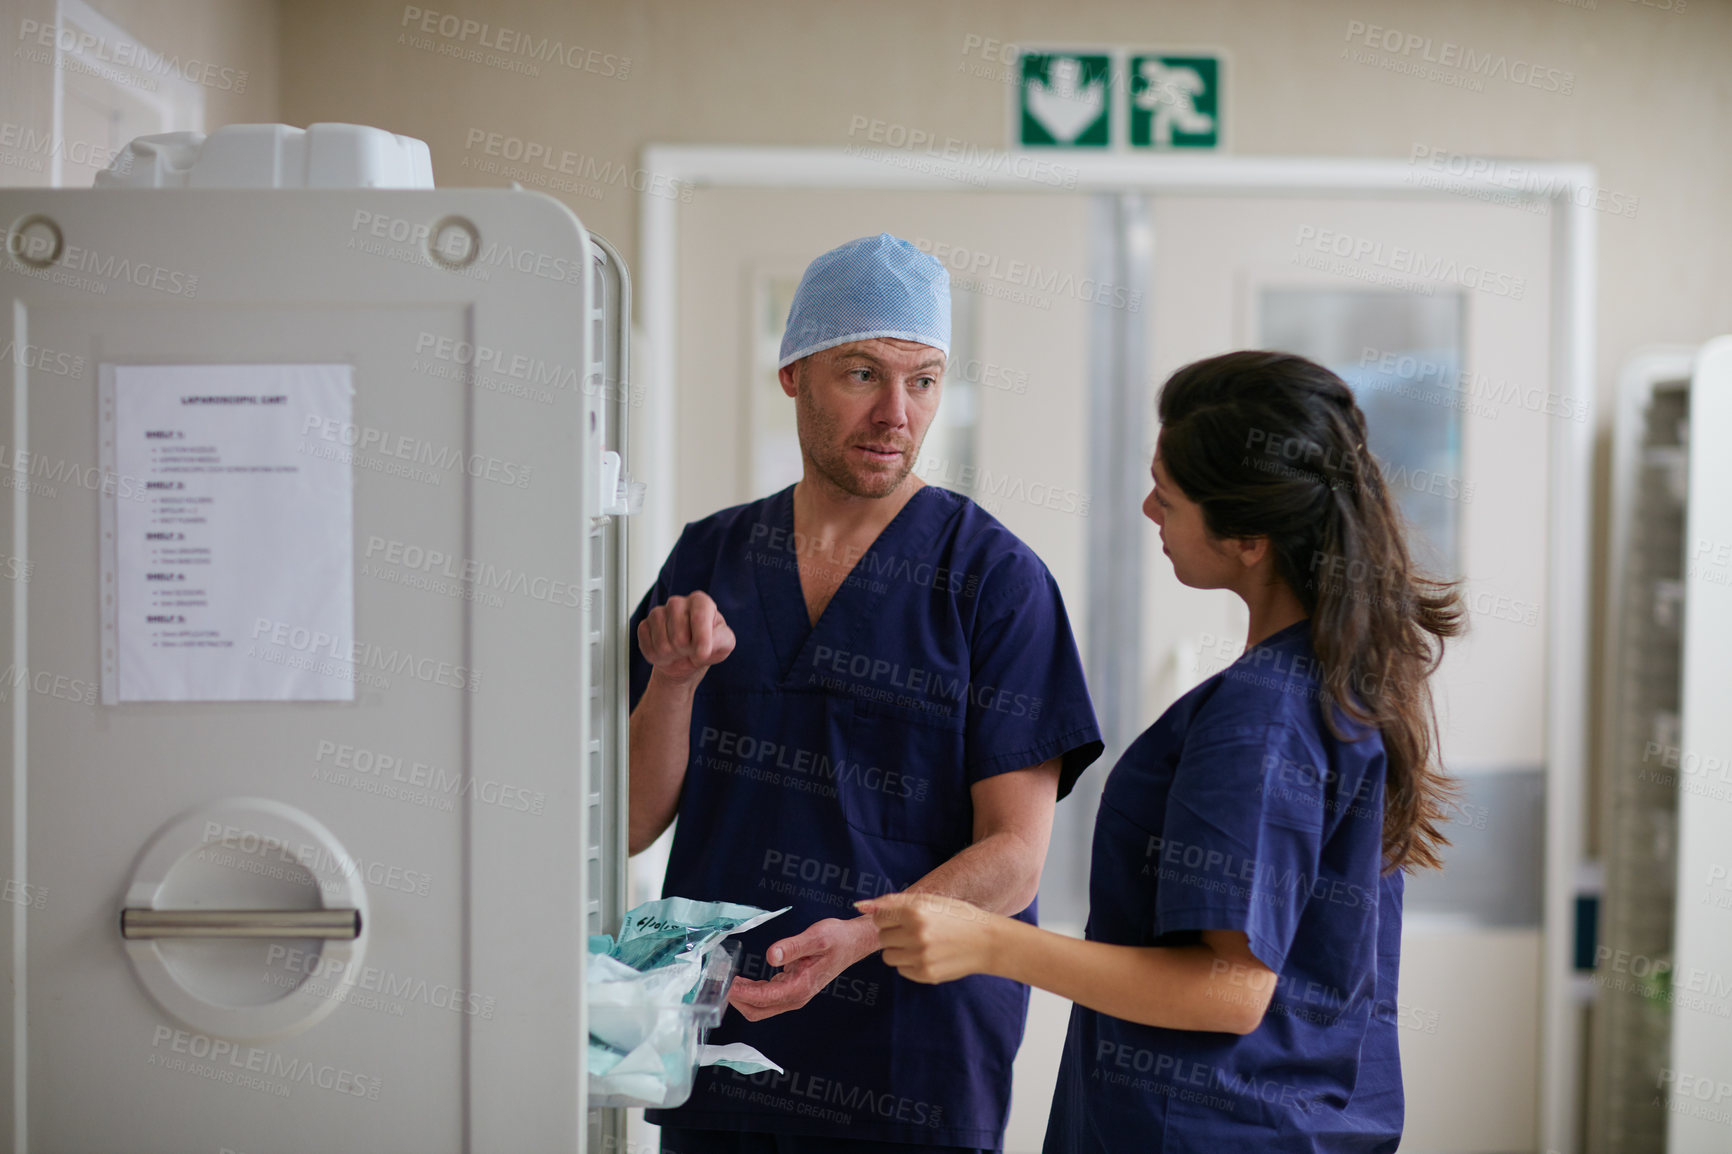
[832,763]
[1239,810]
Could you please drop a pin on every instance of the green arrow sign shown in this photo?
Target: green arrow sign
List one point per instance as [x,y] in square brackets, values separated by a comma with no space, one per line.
[1065,100]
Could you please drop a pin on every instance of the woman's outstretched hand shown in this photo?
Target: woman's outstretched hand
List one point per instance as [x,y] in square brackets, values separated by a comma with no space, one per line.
[930,938]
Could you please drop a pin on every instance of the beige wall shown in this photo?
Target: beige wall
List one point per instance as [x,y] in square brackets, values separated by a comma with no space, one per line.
[1651,107]
[1650,102]
[240,35]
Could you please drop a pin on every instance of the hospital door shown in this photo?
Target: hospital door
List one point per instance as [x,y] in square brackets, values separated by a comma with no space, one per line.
[1437,315]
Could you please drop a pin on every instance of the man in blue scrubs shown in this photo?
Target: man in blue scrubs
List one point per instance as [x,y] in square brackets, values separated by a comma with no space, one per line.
[859,685]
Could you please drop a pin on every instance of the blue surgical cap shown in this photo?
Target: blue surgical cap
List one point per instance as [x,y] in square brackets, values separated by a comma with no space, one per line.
[877,286]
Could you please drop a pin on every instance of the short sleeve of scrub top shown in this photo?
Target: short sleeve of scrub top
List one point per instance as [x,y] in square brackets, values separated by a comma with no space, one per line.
[1235,853]
[1025,678]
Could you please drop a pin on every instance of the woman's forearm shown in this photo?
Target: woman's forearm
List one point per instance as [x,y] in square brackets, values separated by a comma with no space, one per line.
[1201,987]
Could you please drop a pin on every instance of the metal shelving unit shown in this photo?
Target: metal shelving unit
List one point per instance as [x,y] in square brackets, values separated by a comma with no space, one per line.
[1642,698]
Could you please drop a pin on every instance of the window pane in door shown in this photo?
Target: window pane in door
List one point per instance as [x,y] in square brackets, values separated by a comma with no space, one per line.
[1402,355]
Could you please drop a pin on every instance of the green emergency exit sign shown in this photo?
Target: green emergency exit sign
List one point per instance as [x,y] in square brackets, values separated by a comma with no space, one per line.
[1110,98]
[1175,101]
[1065,100]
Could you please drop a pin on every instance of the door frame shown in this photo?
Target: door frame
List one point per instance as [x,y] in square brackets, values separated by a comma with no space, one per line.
[1570,189]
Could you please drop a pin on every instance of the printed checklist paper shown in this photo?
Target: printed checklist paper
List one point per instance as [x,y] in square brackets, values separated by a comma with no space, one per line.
[233,540]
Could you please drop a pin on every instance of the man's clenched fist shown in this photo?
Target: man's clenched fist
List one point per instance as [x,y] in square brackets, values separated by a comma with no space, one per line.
[684,637]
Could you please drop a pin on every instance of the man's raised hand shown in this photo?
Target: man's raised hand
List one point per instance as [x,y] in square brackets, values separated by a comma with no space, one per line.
[685,636]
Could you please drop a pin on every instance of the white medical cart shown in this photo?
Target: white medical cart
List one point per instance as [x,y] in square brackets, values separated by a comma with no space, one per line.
[313,708]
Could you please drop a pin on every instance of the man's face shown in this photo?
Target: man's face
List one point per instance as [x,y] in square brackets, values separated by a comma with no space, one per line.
[863,410]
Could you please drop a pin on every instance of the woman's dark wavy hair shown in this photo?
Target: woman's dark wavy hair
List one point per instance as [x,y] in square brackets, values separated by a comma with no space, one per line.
[1273,445]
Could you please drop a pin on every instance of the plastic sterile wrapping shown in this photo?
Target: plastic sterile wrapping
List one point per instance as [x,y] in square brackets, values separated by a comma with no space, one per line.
[655,992]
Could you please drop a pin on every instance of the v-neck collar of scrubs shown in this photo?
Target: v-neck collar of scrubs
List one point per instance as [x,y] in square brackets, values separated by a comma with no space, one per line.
[783,601]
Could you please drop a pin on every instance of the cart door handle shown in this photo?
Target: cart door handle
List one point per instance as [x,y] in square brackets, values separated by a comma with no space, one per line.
[342,925]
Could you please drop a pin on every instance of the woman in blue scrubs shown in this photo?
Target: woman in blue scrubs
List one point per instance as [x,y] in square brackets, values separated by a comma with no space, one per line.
[1238,980]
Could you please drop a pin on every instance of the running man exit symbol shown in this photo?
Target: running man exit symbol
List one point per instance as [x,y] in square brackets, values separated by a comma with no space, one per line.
[1175,102]
[1065,100]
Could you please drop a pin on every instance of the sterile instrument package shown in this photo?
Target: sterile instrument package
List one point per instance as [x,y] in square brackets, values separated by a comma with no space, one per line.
[656,992]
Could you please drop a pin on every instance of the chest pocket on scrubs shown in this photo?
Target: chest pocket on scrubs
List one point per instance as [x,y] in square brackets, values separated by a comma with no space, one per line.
[904,779]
